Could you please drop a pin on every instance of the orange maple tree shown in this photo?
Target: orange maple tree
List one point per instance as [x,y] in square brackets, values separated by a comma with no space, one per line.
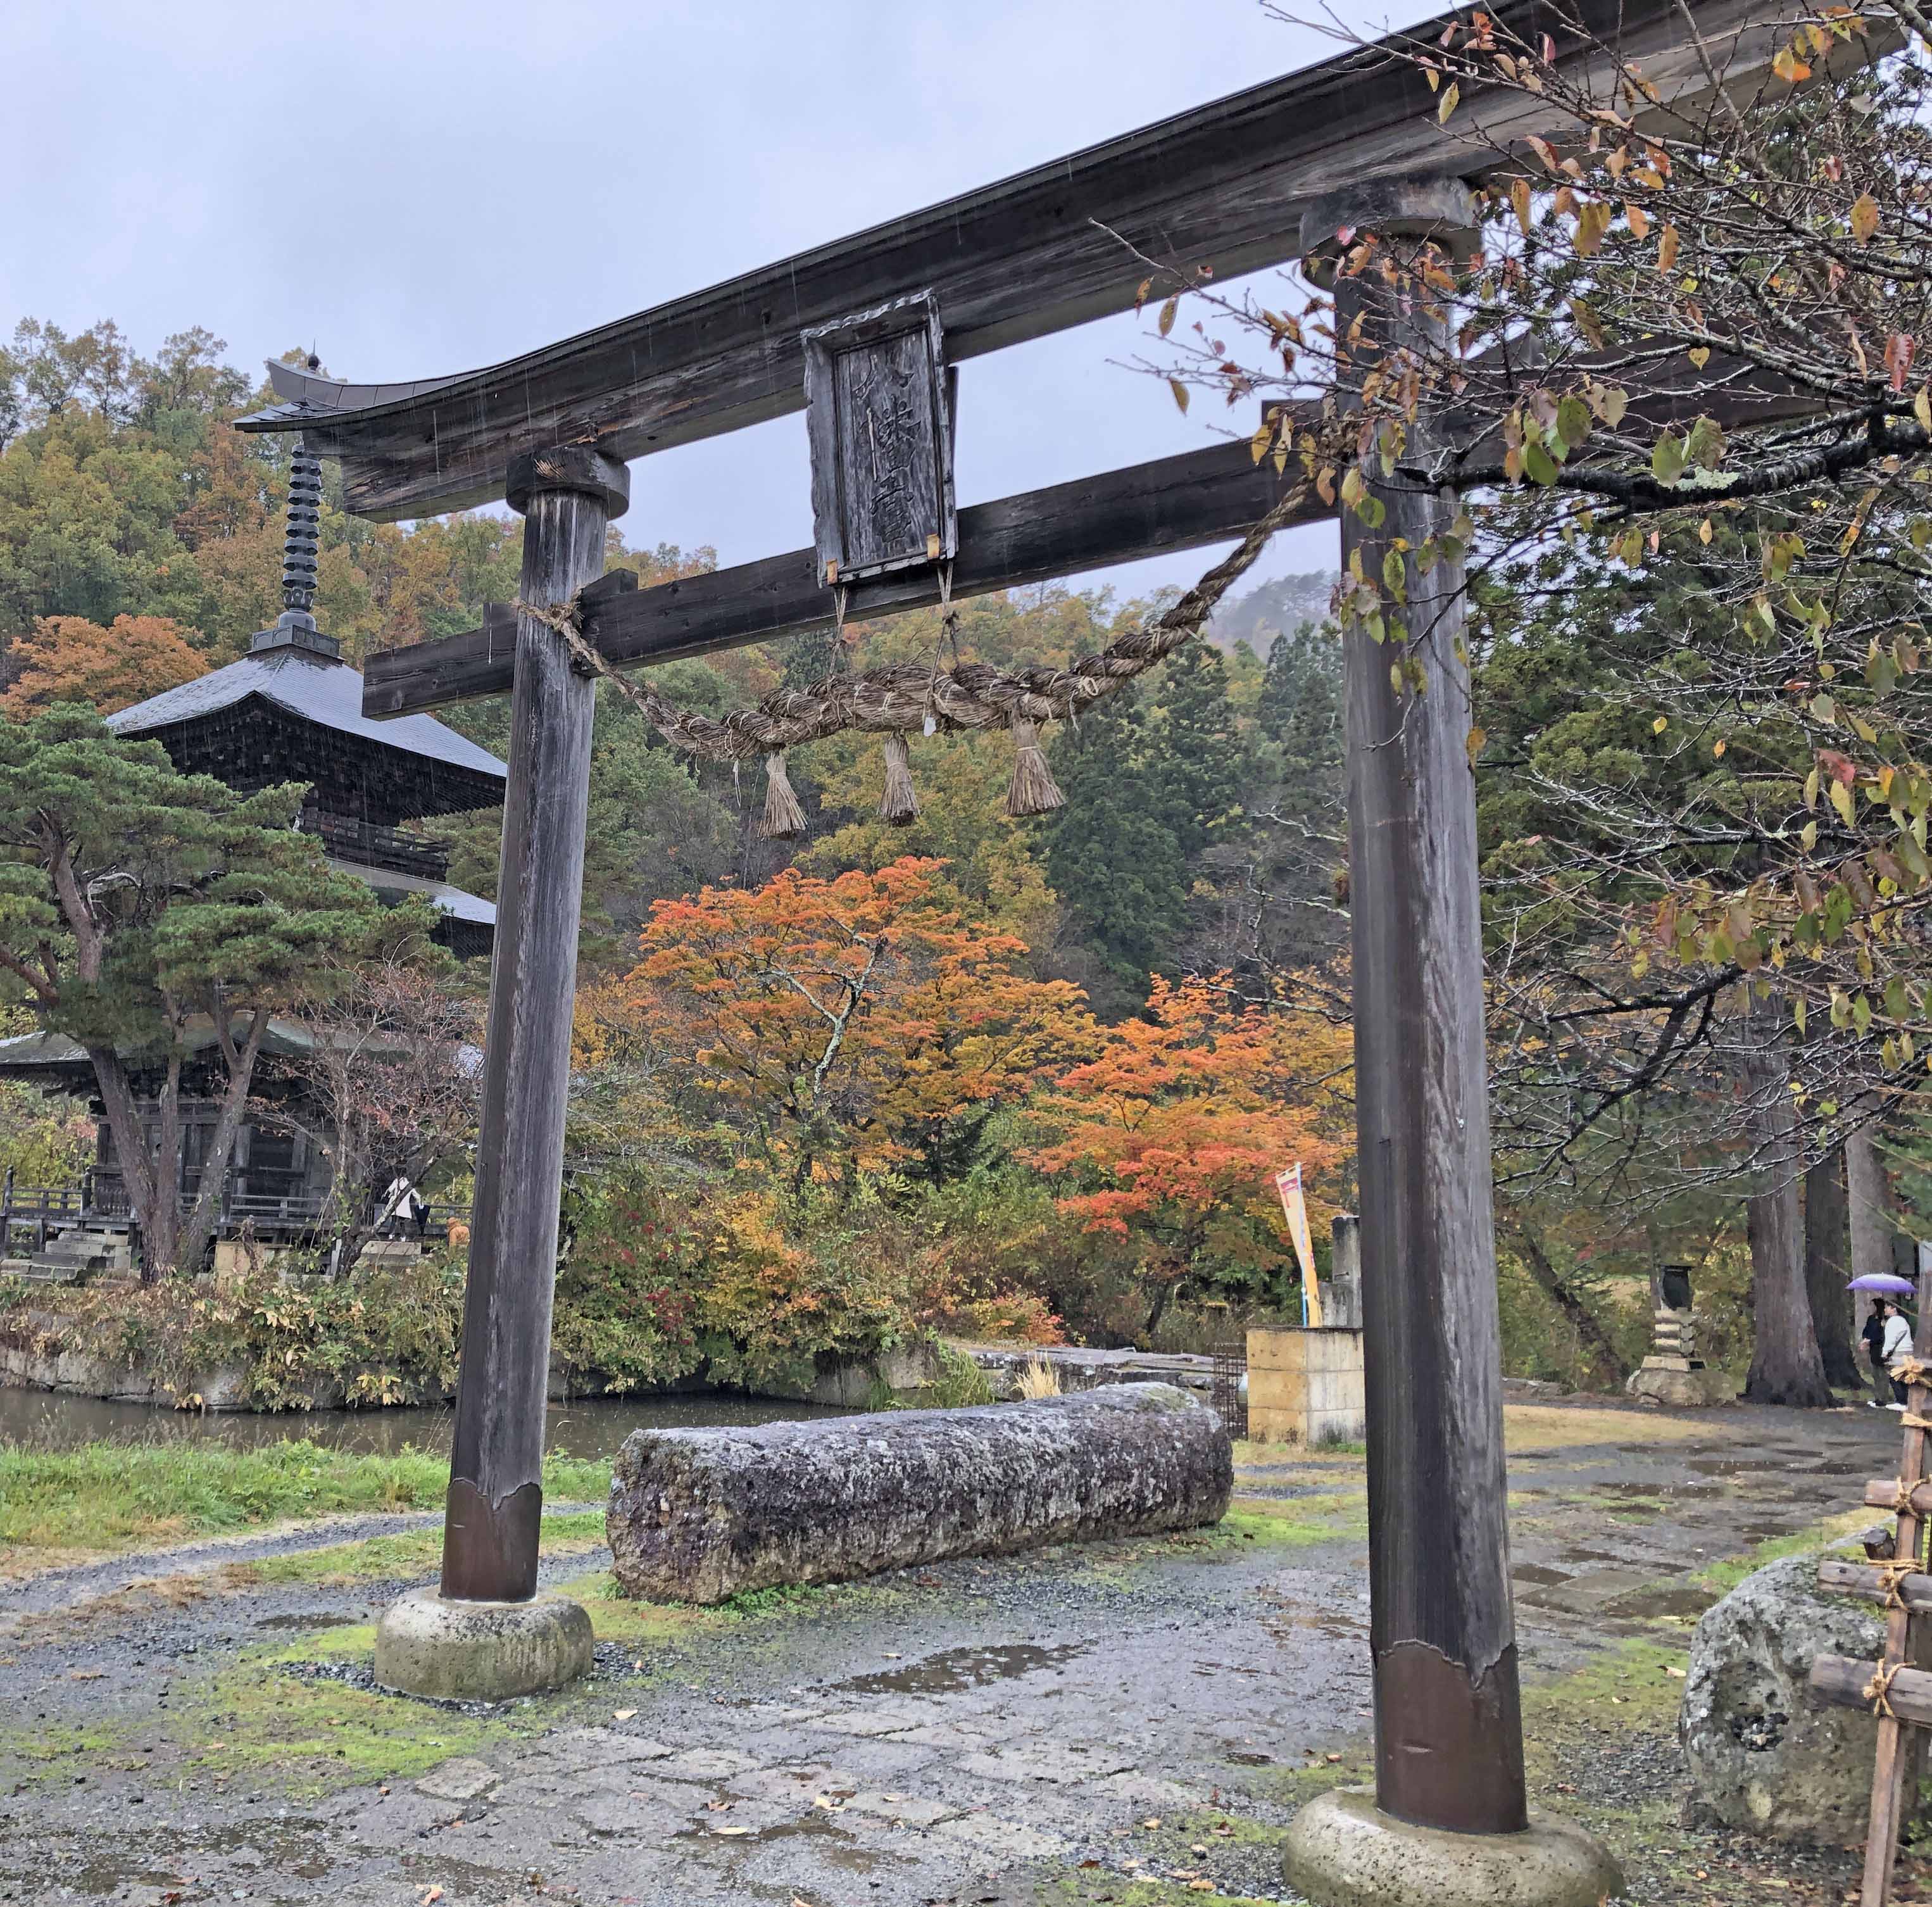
[846,1023]
[67,658]
[1175,1130]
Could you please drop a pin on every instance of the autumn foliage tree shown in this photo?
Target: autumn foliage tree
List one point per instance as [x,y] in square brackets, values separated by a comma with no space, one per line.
[1174,1131]
[867,1021]
[68,658]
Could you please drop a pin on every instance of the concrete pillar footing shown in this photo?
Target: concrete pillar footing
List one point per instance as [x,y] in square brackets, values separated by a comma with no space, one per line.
[455,1651]
[1342,1851]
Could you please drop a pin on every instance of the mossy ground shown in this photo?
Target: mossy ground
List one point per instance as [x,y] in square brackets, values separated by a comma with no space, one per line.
[1103,1885]
[108,1498]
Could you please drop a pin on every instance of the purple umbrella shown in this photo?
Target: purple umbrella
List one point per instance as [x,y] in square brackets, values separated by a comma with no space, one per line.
[1884,1281]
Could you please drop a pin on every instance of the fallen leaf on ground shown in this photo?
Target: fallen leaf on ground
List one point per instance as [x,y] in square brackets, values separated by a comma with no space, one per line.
[1331,1757]
[428,1894]
[623,1714]
[85,1674]
[1670,1668]
[730,1830]
[1152,1820]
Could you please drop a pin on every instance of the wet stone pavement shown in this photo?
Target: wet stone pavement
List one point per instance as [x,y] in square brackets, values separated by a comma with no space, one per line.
[200,1725]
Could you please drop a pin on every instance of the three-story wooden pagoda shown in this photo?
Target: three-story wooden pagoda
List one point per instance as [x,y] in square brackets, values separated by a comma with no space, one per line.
[289,710]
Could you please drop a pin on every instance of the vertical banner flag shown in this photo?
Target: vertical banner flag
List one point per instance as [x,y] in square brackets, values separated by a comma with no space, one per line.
[1295,1208]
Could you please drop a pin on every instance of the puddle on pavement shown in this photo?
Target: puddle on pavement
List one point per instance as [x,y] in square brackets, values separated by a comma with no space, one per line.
[953,1670]
[285,1848]
[303,1619]
[1680,1600]
[836,1846]
[1536,1573]
[1761,1467]
[1589,1555]
[1656,1489]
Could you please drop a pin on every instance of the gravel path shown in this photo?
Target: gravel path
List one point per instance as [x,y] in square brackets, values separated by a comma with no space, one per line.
[182,1727]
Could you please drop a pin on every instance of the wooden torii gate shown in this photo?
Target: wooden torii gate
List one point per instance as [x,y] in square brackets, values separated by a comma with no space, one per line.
[1247,182]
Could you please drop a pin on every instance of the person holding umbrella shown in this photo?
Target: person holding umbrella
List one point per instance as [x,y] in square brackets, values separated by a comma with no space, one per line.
[1887,1336]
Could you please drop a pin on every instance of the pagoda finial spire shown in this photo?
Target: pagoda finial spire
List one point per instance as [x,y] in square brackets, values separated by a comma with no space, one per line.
[294,627]
[298,545]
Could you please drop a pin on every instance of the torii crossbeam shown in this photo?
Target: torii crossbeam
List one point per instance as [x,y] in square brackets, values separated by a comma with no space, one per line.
[1246,182]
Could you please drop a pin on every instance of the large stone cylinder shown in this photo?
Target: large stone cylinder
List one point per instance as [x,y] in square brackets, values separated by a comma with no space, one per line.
[697,1516]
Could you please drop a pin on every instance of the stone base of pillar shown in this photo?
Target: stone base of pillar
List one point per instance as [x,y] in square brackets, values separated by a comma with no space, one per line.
[1342,1851]
[480,1651]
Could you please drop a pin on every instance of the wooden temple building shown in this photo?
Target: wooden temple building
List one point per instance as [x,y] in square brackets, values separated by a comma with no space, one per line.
[289,710]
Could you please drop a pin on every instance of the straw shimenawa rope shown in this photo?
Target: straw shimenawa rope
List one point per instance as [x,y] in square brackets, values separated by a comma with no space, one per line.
[903,697]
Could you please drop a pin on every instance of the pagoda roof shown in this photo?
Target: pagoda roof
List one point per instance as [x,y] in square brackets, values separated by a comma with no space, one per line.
[33,1057]
[459,904]
[322,689]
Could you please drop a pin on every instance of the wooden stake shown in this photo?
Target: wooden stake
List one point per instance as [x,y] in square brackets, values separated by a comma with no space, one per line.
[1889,1770]
[496,1466]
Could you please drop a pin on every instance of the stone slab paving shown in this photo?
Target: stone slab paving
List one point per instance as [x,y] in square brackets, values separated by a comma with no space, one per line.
[970,1733]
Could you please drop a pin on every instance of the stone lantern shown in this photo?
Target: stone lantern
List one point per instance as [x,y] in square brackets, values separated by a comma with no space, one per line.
[1673,1372]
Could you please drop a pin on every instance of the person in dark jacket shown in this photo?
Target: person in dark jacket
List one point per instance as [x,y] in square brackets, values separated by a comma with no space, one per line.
[1873,1336]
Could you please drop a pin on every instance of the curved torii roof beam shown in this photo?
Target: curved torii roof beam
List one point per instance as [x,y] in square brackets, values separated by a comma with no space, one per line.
[1223,185]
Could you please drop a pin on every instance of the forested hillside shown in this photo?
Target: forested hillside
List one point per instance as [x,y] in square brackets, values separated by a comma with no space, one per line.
[140,543]
[1113,948]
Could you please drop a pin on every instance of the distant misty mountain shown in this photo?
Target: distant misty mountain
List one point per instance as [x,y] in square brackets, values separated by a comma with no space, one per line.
[1270,609]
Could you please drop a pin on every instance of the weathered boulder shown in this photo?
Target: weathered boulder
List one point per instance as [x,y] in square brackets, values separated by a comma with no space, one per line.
[696,1515]
[1761,1756]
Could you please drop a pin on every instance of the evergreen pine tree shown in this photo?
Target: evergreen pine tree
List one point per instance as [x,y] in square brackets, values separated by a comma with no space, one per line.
[1197,768]
[1111,856]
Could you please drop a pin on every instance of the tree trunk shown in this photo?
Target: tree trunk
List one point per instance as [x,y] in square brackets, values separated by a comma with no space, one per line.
[149,1214]
[1601,1351]
[240,1064]
[1785,1367]
[1869,1195]
[1827,1248]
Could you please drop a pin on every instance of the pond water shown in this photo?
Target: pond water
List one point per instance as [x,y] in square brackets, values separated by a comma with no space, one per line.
[585,1427]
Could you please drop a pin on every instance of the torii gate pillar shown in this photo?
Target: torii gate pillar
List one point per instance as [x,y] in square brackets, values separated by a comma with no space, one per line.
[495,1469]
[1448,1717]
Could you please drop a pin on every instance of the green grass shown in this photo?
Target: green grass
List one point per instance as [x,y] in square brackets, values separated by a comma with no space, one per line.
[278,1731]
[1292,1524]
[111,1496]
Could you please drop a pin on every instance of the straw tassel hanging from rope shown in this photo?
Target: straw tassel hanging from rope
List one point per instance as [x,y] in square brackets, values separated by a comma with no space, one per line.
[899,806]
[783,819]
[1033,790]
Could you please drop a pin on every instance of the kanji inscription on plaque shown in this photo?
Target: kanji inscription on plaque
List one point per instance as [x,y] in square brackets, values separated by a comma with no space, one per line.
[878,413]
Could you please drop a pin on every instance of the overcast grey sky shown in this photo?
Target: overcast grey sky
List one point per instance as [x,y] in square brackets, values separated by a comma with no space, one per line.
[423,188]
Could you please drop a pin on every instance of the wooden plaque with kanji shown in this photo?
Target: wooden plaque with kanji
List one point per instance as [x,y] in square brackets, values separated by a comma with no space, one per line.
[878,414]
